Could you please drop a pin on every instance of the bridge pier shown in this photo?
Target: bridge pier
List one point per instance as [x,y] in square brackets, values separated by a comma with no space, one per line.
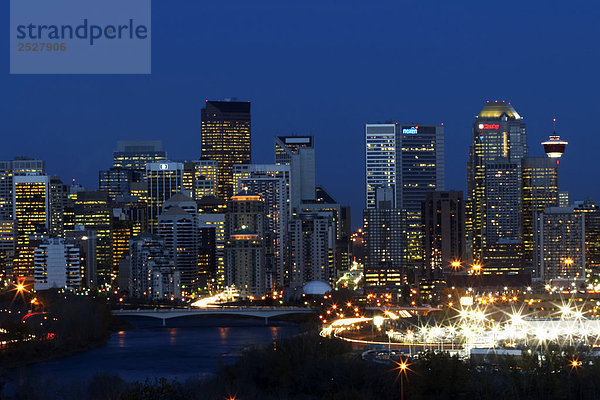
[164,322]
[266,320]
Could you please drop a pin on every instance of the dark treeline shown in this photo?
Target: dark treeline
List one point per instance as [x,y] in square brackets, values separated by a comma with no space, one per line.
[61,324]
[311,367]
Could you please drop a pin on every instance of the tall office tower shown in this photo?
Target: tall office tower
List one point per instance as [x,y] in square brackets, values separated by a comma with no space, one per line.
[422,171]
[211,222]
[226,131]
[152,270]
[18,167]
[200,178]
[591,214]
[59,199]
[444,226]
[31,205]
[178,226]
[382,162]
[272,184]
[494,177]
[129,219]
[384,235]
[540,190]
[564,200]
[299,153]
[56,265]
[164,180]
[86,243]
[245,225]
[93,212]
[560,246]
[135,154]
[312,249]
[116,181]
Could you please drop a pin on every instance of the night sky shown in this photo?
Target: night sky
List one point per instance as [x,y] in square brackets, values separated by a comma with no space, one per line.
[325,68]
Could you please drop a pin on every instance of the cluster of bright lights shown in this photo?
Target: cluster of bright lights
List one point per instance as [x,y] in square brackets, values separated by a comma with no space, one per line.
[473,328]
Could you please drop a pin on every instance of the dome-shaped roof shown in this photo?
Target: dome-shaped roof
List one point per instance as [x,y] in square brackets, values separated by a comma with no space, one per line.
[316,288]
[496,109]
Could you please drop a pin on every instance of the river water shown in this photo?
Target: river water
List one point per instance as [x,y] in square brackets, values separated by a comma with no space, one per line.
[177,352]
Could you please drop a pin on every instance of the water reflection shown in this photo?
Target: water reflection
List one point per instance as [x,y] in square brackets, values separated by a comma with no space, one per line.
[173,353]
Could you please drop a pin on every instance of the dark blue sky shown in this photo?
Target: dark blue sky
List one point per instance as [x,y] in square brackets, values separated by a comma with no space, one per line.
[325,68]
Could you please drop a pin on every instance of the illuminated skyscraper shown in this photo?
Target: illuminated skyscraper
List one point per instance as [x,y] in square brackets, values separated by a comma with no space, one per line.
[226,131]
[8,169]
[178,226]
[211,221]
[385,243]
[135,154]
[272,183]
[93,212]
[494,178]
[164,180]
[422,171]
[382,162]
[540,190]
[200,178]
[591,214]
[128,221]
[31,200]
[59,199]
[245,225]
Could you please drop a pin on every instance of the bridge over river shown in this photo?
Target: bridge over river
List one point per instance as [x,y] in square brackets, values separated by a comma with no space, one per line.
[257,312]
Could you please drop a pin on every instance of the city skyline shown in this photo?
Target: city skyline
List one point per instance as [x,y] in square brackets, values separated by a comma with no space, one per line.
[331,99]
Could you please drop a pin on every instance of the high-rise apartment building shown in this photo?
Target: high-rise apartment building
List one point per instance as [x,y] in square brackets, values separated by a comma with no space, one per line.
[56,265]
[31,207]
[494,177]
[272,183]
[245,226]
[152,271]
[178,226]
[299,153]
[312,249]
[444,232]
[591,213]
[384,233]
[226,132]
[560,246]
